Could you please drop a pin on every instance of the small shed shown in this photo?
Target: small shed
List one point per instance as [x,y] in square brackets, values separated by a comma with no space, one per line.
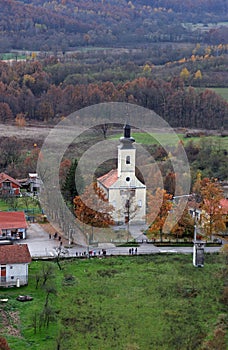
[13,225]
[14,261]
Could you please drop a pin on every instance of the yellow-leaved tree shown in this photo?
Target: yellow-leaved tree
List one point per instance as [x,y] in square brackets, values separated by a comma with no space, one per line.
[160,203]
[184,74]
[212,217]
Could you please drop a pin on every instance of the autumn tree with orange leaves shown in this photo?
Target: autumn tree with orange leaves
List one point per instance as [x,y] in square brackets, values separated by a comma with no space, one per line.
[212,217]
[184,226]
[92,207]
[160,201]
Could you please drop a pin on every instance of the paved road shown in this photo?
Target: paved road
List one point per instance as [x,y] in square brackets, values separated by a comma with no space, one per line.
[41,246]
[38,241]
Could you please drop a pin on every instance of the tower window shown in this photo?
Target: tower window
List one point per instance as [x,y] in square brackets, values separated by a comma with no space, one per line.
[127,179]
[128,160]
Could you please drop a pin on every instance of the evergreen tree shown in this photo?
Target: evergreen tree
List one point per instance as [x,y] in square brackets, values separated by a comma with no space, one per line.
[72,187]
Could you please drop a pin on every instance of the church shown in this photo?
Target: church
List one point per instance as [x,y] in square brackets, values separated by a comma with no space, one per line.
[123,189]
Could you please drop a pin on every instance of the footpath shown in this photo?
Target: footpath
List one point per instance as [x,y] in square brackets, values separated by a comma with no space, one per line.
[41,245]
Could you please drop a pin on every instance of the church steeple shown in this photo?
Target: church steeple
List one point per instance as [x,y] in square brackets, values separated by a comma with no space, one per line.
[127,131]
[125,192]
[126,154]
[127,140]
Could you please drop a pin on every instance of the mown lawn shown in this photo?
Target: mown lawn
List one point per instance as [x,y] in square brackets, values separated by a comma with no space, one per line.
[166,139]
[124,303]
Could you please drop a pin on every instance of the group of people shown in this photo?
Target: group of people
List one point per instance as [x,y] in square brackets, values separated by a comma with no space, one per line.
[92,253]
[55,236]
[133,251]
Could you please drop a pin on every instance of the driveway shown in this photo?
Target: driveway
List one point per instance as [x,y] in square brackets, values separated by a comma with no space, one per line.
[38,241]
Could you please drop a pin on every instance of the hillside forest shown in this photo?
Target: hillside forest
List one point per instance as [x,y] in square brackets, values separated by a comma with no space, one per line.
[67,24]
[167,56]
[48,90]
[67,55]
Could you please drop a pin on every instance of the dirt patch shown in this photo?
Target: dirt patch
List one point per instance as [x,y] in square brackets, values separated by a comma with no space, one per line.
[35,133]
[10,321]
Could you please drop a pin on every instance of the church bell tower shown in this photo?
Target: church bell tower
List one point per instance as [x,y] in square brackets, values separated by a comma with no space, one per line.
[126,155]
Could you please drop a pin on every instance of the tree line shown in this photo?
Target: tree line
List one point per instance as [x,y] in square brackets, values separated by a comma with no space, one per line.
[68,24]
[26,91]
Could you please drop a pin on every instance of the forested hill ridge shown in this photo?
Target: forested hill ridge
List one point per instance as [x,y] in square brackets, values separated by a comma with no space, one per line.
[159,54]
[46,91]
[67,24]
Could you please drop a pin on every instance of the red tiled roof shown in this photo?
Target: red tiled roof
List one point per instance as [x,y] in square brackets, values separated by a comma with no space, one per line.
[224,205]
[5,177]
[107,180]
[15,254]
[14,219]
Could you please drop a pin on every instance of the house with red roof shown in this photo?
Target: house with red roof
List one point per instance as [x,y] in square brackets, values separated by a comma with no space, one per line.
[224,206]
[9,186]
[125,192]
[14,261]
[13,225]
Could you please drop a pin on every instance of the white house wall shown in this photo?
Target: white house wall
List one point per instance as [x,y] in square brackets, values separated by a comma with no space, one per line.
[17,271]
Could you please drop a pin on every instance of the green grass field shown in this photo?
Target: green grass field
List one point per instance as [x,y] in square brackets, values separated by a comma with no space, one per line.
[170,139]
[156,302]
[27,203]
[223,92]
[154,138]
[10,56]
[3,205]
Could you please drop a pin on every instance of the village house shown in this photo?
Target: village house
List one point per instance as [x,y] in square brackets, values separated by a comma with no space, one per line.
[124,191]
[224,206]
[32,184]
[14,261]
[196,212]
[13,225]
[9,186]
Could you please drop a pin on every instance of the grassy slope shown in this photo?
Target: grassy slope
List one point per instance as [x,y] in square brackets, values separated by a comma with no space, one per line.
[151,302]
[170,140]
[223,92]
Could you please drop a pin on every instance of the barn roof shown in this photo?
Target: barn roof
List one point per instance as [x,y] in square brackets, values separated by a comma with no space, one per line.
[107,180]
[12,219]
[15,254]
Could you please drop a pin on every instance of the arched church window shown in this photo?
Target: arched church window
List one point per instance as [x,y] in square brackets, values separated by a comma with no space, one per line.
[128,160]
